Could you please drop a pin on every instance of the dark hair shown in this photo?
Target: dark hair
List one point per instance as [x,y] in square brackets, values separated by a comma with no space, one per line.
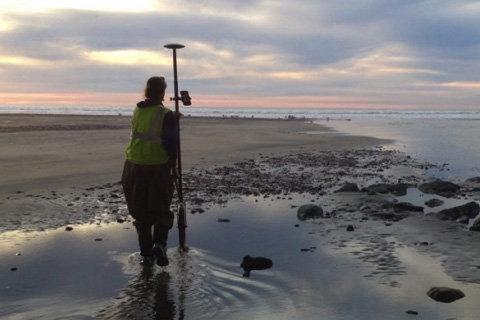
[155,88]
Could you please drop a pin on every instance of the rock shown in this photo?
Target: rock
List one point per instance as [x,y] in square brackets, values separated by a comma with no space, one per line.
[399,189]
[223,220]
[389,216]
[470,210]
[68,229]
[406,206]
[445,294]
[473,180]
[255,263]
[376,188]
[443,188]
[120,220]
[98,239]
[463,219]
[309,211]
[432,203]
[475,226]
[350,228]
[14,269]
[348,187]
[412,312]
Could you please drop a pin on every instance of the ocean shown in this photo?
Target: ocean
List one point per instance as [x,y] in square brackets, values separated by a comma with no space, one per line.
[444,137]
[267,113]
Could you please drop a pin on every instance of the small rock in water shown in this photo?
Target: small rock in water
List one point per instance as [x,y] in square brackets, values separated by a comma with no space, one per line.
[223,220]
[470,210]
[255,263]
[349,187]
[350,228]
[18,254]
[473,180]
[297,225]
[14,269]
[445,294]
[443,188]
[475,226]
[120,220]
[411,312]
[432,203]
[68,229]
[98,239]
[405,206]
[309,211]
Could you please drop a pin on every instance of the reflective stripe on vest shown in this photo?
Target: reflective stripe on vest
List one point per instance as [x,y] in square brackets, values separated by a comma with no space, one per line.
[151,136]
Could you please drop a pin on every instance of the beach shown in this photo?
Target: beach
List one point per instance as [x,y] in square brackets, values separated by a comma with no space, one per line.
[245,180]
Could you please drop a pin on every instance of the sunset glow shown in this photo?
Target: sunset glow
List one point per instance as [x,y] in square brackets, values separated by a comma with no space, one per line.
[129,57]
[255,53]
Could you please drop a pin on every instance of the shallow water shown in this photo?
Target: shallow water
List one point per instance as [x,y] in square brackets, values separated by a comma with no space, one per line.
[442,141]
[64,275]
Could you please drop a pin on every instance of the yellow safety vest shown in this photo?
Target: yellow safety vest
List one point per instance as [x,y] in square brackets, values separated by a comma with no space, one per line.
[146,145]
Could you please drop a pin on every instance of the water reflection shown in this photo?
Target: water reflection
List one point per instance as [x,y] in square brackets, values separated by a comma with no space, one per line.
[149,295]
[330,280]
[145,297]
[441,141]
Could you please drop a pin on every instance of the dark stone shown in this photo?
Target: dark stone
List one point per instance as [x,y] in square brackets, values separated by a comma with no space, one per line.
[223,220]
[383,215]
[411,312]
[432,203]
[470,210]
[463,219]
[14,269]
[444,294]
[98,239]
[68,229]
[376,188]
[443,188]
[473,180]
[399,189]
[389,216]
[297,225]
[350,228]
[309,211]
[348,187]
[475,226]
[406,206]
[120,220]
[255,263]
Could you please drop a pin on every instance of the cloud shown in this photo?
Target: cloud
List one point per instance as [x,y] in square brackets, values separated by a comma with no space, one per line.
[396,50]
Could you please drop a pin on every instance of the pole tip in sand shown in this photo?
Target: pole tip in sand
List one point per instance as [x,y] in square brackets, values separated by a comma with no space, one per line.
[174,46]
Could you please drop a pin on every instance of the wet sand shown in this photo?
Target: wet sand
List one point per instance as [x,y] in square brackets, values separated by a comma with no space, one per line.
[63,171]
[56,152]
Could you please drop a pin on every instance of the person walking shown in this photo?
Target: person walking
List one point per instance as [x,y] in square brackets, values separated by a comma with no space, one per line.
[150,170]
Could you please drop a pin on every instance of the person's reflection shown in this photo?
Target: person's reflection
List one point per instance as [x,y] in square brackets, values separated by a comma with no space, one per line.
[164,306]
[145,297]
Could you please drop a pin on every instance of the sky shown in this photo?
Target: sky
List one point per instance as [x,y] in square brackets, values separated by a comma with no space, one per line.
[243,53]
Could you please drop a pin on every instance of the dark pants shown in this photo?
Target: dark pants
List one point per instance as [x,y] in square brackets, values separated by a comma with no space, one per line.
[148,190]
